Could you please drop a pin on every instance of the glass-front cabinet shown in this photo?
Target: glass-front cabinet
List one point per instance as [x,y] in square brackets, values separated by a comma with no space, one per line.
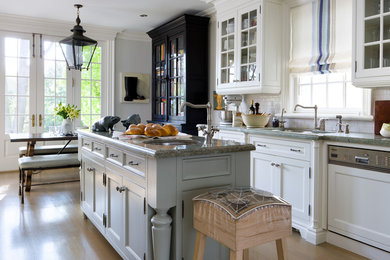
[240,67]
[180,72]
[372,43]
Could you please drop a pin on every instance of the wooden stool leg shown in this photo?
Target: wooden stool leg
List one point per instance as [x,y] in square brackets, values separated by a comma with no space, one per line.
[236,255]
[200,244]
[281,249]
[22,187]
[246,254]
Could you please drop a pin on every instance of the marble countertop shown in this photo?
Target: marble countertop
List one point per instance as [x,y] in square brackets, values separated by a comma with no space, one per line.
[196,145]
[356,138]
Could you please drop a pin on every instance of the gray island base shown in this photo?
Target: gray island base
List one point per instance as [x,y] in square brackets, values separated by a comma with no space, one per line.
[138,193]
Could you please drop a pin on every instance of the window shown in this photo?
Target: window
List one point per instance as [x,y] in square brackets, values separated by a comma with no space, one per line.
[91,82]
[332,93]
[17,87]
[320,59]
[55,75]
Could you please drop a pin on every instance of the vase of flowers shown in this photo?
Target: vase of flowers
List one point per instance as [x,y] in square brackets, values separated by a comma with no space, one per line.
[68,113]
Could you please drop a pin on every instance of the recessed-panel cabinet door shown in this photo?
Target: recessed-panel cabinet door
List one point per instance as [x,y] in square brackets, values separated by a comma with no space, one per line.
[88,178]
[114,229]
[100,194]
[294,186]
[135,218]
[263,176]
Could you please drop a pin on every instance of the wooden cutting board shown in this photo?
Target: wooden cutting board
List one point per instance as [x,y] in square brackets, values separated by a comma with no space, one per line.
[382,114]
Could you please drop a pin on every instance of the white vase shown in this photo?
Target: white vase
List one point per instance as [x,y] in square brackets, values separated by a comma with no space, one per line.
[67,126]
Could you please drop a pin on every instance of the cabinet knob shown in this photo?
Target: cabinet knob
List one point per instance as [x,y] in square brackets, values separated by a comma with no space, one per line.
[114,155]
[133,163]
[120,189]
[90,169]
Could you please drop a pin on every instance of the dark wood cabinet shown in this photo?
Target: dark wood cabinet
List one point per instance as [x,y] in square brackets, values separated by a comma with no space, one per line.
[180,71]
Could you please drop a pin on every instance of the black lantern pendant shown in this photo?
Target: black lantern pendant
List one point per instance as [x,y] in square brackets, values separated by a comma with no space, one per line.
[77,48]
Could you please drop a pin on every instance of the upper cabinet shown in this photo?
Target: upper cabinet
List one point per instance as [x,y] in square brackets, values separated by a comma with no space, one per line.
[180,71]
[371,49]
[249,47]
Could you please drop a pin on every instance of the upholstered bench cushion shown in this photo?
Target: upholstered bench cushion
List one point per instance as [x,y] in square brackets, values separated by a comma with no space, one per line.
[49,161]
[50,149]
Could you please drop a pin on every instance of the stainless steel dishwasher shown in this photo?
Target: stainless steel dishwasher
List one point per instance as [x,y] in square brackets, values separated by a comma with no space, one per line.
[359,194]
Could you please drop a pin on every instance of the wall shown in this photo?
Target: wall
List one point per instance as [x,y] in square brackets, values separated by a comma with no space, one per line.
[131,56]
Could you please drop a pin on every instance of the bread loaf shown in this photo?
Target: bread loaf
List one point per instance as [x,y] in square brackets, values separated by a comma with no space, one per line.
[152,130]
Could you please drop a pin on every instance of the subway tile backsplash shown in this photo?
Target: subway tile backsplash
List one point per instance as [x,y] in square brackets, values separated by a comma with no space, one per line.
[272,104]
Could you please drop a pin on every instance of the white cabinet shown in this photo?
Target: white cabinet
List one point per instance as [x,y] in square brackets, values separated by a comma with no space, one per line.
[371,43]
[284,177]
[249,50]
[93,190]
[231,135]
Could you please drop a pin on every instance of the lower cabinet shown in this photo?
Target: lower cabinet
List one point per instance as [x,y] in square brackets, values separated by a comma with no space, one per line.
[284,177]
[116,205]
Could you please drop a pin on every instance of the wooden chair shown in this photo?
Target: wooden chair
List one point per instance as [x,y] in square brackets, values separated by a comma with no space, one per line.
[240,219]
[44,162]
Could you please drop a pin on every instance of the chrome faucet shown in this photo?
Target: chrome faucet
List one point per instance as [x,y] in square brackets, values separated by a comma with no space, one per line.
[315,113]
[282,121]
[340,125]
[209,132]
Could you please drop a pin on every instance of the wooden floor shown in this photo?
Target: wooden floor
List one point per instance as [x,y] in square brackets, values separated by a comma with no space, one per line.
[51,225]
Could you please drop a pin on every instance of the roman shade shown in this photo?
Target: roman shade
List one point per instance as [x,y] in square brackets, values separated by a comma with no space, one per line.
[321,36]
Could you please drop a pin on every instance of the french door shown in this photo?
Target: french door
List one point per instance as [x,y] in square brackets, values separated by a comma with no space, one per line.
[33,80]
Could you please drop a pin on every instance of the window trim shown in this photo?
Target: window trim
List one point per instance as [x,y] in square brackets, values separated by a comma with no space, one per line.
[364,115]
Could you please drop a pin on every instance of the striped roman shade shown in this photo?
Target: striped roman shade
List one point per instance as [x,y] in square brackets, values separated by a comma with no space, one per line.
[321,36]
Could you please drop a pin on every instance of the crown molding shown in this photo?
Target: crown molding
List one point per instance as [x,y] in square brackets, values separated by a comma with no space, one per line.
[134,36]
[208,12]
[25,24]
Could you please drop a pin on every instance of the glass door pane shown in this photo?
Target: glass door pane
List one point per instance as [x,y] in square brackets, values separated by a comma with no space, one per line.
[372,7]
[160,88]
[17,85]
[54,82]
[227,73]
[248,42]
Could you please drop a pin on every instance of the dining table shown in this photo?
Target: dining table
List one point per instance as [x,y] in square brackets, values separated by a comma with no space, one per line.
[32,138]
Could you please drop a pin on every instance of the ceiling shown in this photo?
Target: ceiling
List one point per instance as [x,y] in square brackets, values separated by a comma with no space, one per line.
[120,14]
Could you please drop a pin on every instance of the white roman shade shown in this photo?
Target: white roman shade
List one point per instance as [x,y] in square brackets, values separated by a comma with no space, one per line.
[321,36]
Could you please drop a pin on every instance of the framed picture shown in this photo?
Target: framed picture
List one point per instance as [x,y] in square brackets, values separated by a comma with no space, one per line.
[135,88]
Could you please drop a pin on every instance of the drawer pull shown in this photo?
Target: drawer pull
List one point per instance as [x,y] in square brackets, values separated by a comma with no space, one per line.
[114,155]
[133,163]
[120,189]
[275,164]
[97,149]
[90,169]
[295,150]
[262,145]
[86,144]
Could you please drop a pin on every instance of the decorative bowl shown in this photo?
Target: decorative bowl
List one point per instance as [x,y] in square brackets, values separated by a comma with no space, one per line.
[255,120]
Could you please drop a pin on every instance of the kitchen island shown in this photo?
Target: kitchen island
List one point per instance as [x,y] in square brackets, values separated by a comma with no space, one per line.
[138,192]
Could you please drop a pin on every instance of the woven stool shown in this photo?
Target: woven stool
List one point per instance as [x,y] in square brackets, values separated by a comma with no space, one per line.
[241,218]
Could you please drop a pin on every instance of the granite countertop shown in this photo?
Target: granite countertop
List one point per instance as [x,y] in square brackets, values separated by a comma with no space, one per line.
[195,145]
[356,138]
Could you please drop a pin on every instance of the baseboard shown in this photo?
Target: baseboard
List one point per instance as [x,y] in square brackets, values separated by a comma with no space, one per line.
[356,246]
[312,236]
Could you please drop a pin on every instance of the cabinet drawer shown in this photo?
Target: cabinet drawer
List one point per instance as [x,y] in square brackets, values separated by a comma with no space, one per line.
[98,148]
[135,163]
[86,144]
[291,149]
[114,155]
[206,167]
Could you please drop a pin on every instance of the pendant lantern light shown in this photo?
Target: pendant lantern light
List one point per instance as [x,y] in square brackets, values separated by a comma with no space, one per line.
[78,49]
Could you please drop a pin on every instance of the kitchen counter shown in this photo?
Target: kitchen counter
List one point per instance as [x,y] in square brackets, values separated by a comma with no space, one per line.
[355,138]
[133,188]
[141,145]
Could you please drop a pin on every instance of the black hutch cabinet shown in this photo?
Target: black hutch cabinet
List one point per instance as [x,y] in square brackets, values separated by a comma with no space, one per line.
[180,72]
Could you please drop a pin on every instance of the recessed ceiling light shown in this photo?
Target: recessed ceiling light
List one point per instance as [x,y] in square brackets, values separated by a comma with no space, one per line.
[143,15]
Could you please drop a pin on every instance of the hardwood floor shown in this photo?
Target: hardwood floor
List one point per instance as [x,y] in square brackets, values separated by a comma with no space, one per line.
[51,225]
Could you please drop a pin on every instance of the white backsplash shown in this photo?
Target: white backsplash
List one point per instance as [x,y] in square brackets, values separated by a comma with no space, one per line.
[272,104]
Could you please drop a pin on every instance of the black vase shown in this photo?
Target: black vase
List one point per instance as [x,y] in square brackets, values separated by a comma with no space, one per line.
[131,88]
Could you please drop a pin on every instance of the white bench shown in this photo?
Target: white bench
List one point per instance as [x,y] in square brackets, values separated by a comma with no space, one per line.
[44,162]
[49,149]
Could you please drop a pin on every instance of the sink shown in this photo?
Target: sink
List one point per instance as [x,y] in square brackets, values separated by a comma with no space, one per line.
[171,142]
[302,131]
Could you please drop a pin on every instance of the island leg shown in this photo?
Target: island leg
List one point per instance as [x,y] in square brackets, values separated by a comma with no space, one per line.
[161,234]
